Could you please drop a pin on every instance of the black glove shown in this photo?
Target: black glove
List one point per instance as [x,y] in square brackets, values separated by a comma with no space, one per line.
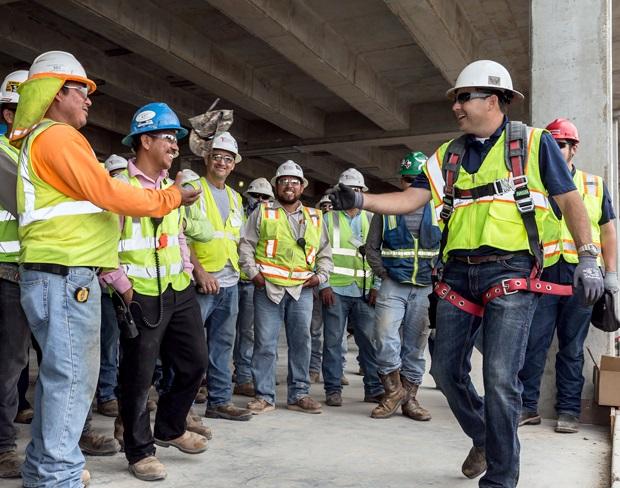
[589,277]
[344,198]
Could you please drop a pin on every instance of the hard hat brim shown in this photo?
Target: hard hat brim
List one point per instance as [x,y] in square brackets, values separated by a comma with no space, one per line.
[92,86]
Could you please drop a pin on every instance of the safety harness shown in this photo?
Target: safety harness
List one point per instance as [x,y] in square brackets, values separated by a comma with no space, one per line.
[516,161]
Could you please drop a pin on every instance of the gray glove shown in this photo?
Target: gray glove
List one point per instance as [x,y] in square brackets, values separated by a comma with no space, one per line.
[611,281]
[343,197]
[589,277]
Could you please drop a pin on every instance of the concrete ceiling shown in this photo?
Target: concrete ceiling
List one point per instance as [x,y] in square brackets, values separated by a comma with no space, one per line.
[330,84]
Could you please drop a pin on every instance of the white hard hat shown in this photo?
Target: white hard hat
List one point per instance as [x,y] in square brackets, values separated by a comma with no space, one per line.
[115,162]
[289,168]
[8,89]
[259,185]
[228,143]
[60,64]
[352,177]
[324,199]
[484,74]
[188,176]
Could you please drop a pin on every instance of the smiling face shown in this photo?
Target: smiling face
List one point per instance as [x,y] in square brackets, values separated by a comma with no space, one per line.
[219,165]
[474,113]
[289,189]
[160,147]
[72,103]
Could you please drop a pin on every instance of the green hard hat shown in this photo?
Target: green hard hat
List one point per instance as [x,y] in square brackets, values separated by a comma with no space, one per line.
[412,163]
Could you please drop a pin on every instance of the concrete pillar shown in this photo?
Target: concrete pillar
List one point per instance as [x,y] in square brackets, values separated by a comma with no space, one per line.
[572,78]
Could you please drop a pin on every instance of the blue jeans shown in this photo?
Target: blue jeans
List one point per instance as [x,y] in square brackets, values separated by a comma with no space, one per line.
[110,334]
[316,332]
[268,317]
[244,340]
[335,320]
[571,319]
[491,423]
[219,315]
[69,334]
[402,309]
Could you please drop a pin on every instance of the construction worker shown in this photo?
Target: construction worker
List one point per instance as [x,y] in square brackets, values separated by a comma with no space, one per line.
[259,191]
[216,271]
[492,217]
[285,251]
[67,231]
[115,164]
[14,330]
[345,296]
[567,316]
[402,250]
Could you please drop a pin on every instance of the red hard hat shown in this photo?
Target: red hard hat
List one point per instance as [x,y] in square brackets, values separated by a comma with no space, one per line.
[563,129]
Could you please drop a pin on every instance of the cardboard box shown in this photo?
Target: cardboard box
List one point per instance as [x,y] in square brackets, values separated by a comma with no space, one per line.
[607,381]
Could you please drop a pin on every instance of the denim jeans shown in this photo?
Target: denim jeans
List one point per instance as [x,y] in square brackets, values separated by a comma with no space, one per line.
[571,319]
[316,332]
[244,339]
[219,316]
[268,317]
[491,423]
[402,329]
[69,334]
[110,334]
[14,342]
[335,320]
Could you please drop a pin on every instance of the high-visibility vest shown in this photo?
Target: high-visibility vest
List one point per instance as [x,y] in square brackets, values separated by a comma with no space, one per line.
[280,257]
[348,264]
[136,249]
[491,220]
[407,259]
[9,241]
[55,228]
[214,255]
[558,239]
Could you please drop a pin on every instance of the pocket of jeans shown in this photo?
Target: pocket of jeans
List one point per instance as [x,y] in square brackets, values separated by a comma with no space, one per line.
[80,280]
[34,300]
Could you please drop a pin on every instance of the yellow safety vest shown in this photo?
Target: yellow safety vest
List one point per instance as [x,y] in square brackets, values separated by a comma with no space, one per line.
[9,241]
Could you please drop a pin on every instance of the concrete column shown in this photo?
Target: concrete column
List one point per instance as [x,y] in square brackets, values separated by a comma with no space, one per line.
[572,78]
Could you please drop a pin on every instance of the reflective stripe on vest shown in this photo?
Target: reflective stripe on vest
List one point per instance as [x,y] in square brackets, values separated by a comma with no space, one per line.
[9,244]
[348,263]
[150,272]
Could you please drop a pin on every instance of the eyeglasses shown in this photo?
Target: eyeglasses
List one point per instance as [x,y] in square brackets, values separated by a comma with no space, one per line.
[465,97]
[220,157]
[172,139]
[259,196]
[289,181]
[82,89]
[562,144]
[356,189]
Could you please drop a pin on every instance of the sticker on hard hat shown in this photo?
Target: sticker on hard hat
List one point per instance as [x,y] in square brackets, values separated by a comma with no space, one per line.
[405,164]
[145,118]
[11,86]
[495,80]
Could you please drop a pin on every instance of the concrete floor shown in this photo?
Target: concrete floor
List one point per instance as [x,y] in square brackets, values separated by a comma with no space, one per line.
[344,448]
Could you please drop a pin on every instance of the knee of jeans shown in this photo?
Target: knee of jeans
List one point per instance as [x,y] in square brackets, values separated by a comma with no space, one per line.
[444,372]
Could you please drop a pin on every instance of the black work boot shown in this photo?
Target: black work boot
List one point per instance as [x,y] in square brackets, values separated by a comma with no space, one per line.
[392,398]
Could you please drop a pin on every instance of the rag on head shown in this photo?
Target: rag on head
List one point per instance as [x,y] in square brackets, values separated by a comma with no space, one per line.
[205,127]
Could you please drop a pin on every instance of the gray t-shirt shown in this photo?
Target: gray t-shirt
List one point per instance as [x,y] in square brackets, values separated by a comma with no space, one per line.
[221,200]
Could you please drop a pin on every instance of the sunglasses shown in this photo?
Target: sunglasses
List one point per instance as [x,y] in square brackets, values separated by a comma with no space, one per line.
[172,139]
[82,89]
[465,97]
[220,157]
[259,196]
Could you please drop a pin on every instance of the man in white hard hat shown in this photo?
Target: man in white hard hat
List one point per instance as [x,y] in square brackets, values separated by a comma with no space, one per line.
[492,226]
[345,298]
[285,251]
[68,229]
[114,164]
[216,272]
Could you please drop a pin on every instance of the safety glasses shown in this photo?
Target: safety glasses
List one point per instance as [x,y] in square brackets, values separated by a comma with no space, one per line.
[260,196]
[289,182]
[82,89]
[220,157]
[172,139]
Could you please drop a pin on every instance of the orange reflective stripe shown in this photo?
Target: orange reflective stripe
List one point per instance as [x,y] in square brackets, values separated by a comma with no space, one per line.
[271,248]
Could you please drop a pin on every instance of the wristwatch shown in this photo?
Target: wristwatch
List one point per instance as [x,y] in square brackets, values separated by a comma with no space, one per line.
[589,250]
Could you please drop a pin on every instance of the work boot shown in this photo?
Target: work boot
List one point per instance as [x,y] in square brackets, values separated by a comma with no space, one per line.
[148,469]
[315,377]
[228,411]
[153,398]
[109,408]
[201,396]
[392,398]
[95,444]
[305,404]
[372,398]
[567,424]
[344,381]
[24,416]
[245,389]
[333,399]
[189,443]
[258,405]
[118,432]
[10,464]
[410,407]
[529,418]
[194,424]
[85,477]
[475,463]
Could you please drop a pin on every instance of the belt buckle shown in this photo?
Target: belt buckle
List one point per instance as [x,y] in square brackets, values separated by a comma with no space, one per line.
[505,285]
[469,261]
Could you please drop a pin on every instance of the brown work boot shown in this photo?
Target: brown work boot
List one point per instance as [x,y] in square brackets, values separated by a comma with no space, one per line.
[245,389]
[109,408]
[333,399]
[148,469]
[410,407]
[475,463]
[201,396]
[315,377]
[372,398]
[258,405]
[344,381]
[85,477]
[392,398]
[95,444]
[194,424]
[228,411]
[305,404]
[24,416]
[189,443]
[10,464]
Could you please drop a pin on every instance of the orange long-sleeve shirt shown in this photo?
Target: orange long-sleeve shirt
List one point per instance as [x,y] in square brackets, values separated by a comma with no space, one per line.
[63,158]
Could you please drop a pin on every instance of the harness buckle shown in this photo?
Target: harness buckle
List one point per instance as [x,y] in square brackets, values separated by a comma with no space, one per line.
[525,205]
[502,186]
[517,182]
[505,286]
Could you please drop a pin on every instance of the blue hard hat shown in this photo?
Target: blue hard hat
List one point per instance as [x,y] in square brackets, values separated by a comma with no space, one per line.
[153,117]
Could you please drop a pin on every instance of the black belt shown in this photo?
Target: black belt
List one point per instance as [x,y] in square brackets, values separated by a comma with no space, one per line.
[57,269]
[493,258]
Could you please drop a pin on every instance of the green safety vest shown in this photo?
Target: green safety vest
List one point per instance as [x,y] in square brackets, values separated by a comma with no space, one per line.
[491,220]
[214,255]
[55,228]
[136,249]
[348,264]
[9,242]
[557,239]
[280,258]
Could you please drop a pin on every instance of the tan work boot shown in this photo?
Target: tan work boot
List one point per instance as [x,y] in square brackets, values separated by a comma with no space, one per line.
[10,464]
[118,432]
[392,398]
[148,469]
[194,424]
[201,396]
[109,408]
[410,407]
[189,443]
[475,463]
[85,477]
[95,444]
[258,405]
[305,404]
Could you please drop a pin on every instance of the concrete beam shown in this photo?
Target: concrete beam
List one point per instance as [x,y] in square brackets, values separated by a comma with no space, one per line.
[155,33]
[301,35]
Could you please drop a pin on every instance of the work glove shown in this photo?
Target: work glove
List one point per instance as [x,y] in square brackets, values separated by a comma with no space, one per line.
[344,198]
[588,276]
[611,281]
